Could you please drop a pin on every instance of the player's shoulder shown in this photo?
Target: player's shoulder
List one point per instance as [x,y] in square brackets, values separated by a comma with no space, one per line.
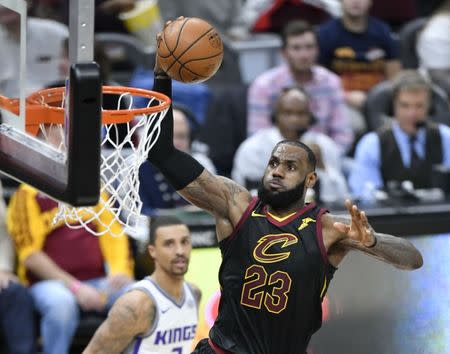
[137,298]
[196,292]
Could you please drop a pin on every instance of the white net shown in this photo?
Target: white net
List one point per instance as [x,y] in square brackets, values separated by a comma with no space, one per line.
[124,148]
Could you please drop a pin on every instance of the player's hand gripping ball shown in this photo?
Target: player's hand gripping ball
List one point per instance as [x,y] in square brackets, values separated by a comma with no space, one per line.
[189,50]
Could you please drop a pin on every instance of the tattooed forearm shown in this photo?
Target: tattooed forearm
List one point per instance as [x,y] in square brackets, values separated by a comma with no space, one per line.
[394,250]
[124,322]
[391,249]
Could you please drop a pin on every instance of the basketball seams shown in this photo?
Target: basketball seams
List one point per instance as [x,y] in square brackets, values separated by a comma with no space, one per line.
[179,35]
[191,40]
[178,40]
[192,72]
[197,59]
[187,49]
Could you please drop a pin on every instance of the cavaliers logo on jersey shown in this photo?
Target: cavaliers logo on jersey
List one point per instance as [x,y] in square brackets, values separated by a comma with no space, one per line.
[264,252]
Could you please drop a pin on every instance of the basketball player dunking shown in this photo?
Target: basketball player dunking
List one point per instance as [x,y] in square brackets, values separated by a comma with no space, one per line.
[159,313]
[279,254]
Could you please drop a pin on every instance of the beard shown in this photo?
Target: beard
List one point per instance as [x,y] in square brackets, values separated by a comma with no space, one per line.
[281,199]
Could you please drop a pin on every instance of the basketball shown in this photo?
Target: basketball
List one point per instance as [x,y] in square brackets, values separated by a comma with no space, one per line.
[190,50]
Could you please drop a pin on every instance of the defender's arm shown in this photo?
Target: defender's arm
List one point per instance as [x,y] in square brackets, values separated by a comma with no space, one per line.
[131,315]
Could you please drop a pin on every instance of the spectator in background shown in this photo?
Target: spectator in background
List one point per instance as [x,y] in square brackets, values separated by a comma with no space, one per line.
[67,269]
[45,40]
[17,324]
[292,120]
[222,14]
[300,50]
[154,190]
[433,47]
[271,15]
[360,49]
[405,149]
[277,13]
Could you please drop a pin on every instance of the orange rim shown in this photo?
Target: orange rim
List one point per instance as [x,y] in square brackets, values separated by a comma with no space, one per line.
[43,107]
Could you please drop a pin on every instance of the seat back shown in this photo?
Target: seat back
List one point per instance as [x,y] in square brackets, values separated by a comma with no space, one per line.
[408,39]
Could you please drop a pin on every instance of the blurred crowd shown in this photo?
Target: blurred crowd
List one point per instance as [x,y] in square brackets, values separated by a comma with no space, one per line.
[365,83]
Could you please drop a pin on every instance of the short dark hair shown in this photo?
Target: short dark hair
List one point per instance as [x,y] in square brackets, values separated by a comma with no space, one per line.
[409,80]
[296,28]
[311,157]
[161,221]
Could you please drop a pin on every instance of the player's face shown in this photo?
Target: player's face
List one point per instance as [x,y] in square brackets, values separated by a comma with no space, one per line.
[292,114]
[356,8]
[286,177]
[301,51]
[181,131]
[172,249]
[411,108]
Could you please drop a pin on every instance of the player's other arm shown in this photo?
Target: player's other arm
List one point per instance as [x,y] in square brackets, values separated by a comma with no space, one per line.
[131,315]
[353,232]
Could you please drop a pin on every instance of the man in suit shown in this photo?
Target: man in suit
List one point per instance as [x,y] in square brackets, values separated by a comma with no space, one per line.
[407,148]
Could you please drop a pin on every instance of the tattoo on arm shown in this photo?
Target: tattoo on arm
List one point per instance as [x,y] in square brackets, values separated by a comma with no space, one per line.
[124,322]
[215,194]
[393,250]
[390,249]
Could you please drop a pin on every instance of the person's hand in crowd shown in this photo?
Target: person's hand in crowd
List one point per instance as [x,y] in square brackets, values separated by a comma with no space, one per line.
[356,99]
[117,281]
[89,298]
[116,6]
[6,278]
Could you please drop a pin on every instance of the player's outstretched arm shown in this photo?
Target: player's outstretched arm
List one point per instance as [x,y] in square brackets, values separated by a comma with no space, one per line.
[223,198]
[353,232]
[131,315]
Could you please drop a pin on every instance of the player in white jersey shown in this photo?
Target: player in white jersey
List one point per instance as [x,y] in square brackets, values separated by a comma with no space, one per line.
[160,313]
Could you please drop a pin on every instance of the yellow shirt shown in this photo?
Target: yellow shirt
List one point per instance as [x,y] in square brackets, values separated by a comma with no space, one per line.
[29,226]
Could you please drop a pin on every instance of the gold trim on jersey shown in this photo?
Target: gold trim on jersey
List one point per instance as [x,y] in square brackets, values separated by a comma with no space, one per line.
[255,214]
[324,288]
[277,218]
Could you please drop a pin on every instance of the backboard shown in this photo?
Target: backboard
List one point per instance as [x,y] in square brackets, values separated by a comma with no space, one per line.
[32,57]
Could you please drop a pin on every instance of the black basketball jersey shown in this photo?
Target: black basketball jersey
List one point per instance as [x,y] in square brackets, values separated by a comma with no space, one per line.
[274,275]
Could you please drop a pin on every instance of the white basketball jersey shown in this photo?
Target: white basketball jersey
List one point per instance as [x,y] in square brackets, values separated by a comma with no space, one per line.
[174,326]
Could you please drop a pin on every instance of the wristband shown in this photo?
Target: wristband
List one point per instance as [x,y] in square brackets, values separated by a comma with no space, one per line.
[75,286]
[374,243]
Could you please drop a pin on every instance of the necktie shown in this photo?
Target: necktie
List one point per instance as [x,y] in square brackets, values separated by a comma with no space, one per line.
[415,160]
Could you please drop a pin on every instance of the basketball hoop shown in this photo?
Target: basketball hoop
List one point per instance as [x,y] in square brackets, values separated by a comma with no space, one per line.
[121,157]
